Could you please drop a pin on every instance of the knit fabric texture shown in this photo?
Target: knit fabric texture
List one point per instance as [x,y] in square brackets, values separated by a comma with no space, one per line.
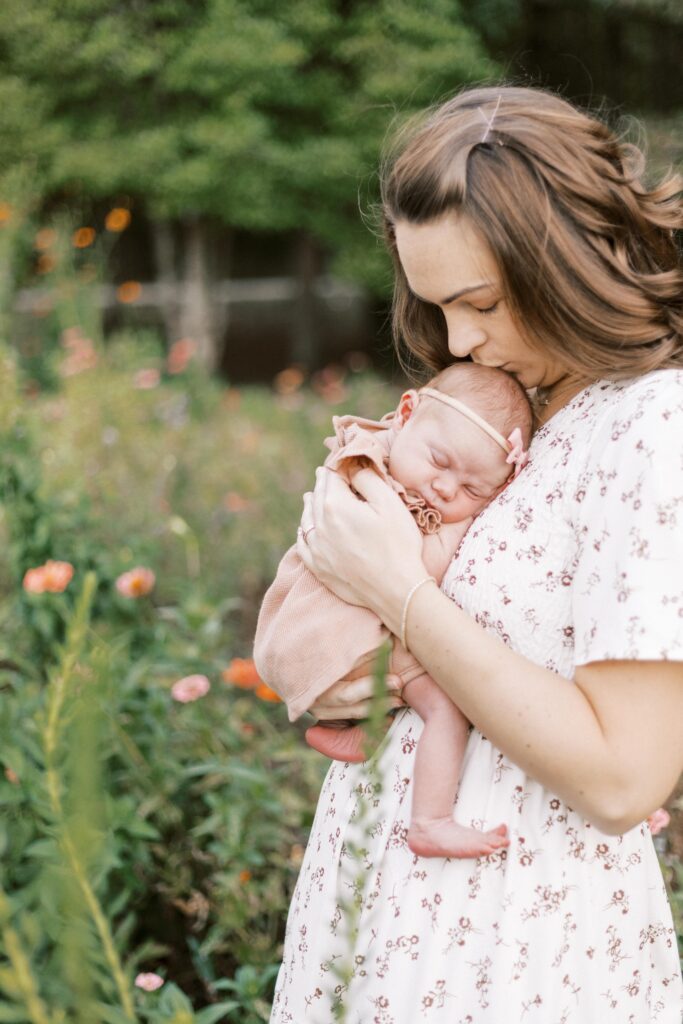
[307,638]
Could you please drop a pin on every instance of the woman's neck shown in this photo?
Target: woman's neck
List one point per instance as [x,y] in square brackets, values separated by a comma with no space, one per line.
[547,401]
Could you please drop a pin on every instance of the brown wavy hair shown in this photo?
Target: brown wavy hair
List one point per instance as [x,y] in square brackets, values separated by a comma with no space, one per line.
[588,255]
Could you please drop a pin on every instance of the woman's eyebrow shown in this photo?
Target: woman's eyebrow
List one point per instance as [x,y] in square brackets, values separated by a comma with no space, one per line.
[456,295]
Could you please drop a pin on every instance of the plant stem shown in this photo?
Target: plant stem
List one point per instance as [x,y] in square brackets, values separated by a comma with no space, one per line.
[35,1007]
[57,693]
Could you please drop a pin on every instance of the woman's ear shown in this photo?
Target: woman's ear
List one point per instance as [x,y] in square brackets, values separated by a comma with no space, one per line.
[405,408]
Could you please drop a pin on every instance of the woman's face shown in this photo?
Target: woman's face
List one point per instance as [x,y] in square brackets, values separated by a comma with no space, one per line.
[448,264]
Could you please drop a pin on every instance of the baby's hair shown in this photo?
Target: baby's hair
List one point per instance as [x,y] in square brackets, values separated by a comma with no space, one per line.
[495,395]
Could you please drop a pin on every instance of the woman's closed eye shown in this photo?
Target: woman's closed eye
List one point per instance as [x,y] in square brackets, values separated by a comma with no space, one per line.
[488,309]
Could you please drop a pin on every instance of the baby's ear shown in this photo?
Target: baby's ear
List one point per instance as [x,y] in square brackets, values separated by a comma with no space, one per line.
[406,407]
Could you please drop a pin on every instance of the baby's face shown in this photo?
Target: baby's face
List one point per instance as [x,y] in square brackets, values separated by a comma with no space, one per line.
[448,461]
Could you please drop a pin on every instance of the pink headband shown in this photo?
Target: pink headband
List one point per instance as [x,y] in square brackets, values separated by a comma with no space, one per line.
[512,446]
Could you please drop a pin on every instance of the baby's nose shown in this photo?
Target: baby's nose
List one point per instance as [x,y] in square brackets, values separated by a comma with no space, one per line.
[446,488]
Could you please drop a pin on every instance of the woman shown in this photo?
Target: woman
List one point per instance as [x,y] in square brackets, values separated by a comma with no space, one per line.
[522,238]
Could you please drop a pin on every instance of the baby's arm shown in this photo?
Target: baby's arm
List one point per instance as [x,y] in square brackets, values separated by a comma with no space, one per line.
[438,548]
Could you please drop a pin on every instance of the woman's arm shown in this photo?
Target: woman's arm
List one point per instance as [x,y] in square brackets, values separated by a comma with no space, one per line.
[608,743]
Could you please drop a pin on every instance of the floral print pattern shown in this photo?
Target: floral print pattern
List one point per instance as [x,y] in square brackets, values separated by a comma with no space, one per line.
[579,559]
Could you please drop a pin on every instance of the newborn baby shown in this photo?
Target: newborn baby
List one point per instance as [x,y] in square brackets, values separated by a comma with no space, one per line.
[448,449]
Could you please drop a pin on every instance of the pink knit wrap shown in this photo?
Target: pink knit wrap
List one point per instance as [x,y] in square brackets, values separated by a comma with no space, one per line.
[306,637]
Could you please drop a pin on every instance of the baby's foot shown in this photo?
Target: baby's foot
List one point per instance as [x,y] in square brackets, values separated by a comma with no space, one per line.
[443,837]
[349,744]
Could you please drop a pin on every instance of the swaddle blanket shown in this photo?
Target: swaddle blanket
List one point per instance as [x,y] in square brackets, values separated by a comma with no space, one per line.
[306,637]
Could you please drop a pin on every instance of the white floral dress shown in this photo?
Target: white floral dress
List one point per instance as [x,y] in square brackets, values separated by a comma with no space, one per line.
[580,559]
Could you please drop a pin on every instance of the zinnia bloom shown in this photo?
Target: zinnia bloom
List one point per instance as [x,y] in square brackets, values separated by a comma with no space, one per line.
[83,237]
[658,821]
[242,672]
[264,692]
[117,219]
[129,291]
[45,239]
[179,354]
[137,582]
[190,688]
[234,502]
[146,379]
[149,981]
[52,577]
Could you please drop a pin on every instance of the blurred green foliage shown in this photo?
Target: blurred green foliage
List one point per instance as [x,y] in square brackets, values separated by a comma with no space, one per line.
[259,115]
[139,833]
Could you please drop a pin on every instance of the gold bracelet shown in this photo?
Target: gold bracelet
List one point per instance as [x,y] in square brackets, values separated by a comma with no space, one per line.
[406,605]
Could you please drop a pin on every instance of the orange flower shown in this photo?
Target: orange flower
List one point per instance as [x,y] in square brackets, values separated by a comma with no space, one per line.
[83,237]
[234,502]
[241,672]
[129,291]
[264,692]
[289,380]
[117,219]
[137,582]
[52,577]
[45,239]
[180,354]
[5,212]
[245,876]
[11,776]
[45,263]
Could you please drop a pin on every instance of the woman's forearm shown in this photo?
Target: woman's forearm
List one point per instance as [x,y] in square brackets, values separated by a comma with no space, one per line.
[539,720]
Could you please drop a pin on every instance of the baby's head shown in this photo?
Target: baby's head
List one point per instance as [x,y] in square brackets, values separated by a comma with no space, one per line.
[444,457]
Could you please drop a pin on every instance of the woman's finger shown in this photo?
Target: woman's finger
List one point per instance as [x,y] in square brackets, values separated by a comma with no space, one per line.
[362,709]
[352,691]
[322,476]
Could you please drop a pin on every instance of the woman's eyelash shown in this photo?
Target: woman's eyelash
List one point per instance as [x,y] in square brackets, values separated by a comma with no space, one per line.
[489,309]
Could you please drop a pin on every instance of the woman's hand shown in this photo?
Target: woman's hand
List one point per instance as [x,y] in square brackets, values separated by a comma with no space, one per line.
[368,552]
[352,698]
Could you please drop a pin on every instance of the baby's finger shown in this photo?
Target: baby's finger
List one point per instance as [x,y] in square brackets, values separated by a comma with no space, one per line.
[371,487]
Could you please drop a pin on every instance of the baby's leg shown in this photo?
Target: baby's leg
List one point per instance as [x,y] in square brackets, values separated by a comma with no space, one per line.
[438,760]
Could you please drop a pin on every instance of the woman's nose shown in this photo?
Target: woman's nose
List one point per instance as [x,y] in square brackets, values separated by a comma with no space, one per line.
[463,338]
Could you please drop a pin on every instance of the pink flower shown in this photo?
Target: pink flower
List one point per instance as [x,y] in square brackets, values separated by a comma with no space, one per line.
[190,688]
[659,820]
[180,354]
[146,379]
[149,981]
[137,582]
[53,577]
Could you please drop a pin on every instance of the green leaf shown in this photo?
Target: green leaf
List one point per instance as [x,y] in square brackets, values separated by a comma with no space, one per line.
[173,1000]
[213,1014]
[111,1015]
[14,1014]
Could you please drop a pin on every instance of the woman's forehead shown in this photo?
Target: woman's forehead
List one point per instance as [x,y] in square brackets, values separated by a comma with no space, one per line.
[444,256]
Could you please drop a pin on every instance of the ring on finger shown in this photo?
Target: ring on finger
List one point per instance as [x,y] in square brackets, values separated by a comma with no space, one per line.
[305,533]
